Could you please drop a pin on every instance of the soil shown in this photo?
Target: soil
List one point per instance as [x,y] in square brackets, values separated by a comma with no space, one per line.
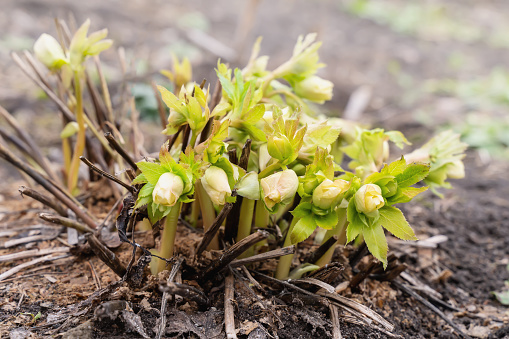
[474,216]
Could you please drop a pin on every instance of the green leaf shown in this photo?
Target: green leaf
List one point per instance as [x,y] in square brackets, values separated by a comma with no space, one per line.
[303,229]
[395,167]
[227,86]
[327,221]
[393,220]
[302,210]
[255,114]
[146,190]
[502,297]
[151,171]
[355,224]
[377,244]
[142,201]
[398,138]
[256,133]
[170,99]
[405,194]
[140,179]
[412,174]
[69,130]
[166,160]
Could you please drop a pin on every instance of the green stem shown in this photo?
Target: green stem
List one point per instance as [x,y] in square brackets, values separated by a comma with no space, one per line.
[285,262]
[261,221]
[269,169]
[168,237]
[194,135]
[192,218]
[72,180]
[208,213]
[261,215]
[245,222]
[339,231]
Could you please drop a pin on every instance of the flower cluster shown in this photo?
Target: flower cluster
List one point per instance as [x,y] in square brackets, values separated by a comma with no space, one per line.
[291,157]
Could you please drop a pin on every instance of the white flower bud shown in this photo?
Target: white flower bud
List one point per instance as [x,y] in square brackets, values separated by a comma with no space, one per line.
[168,189]
[249,186]
[279,187]
[330,193]
[369,198]
[315,89]
[48,51]
[456,170]
[215,183]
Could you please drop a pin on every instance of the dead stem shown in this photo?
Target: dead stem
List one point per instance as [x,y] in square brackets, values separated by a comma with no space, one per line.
[263,256]
[233,252]
[107,175]
[104,87]
[164,300]
[211,232]
[55,219]
[320,251]
[116,146]
[160,105]
[229,317]
[429,305]
[106,255]
[45,200]
[36,153]
[334,315]
[48,185]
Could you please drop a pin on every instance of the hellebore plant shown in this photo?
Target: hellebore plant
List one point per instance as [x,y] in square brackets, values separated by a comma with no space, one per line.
[69,63]
[294,161]
[260,148]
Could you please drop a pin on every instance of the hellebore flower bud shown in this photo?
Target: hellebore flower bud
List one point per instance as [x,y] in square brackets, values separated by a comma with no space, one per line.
[330,193]
[168,189]
[314,89]
[249,186]
[263,157]
[369,198]
[280,147]
[279,187]
[456,170]
[215,183]
[48,51]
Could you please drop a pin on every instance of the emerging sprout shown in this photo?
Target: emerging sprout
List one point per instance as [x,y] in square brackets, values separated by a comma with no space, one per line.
[314,89]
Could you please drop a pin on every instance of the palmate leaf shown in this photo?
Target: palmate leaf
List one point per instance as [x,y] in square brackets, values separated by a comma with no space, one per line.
[302,210]
[394,168]
[377,244]
[151,171]
[140,179]
[412,174]
[355,223]
[393,220]
[405,194]
[303,229]
[327,221]
[146,190]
